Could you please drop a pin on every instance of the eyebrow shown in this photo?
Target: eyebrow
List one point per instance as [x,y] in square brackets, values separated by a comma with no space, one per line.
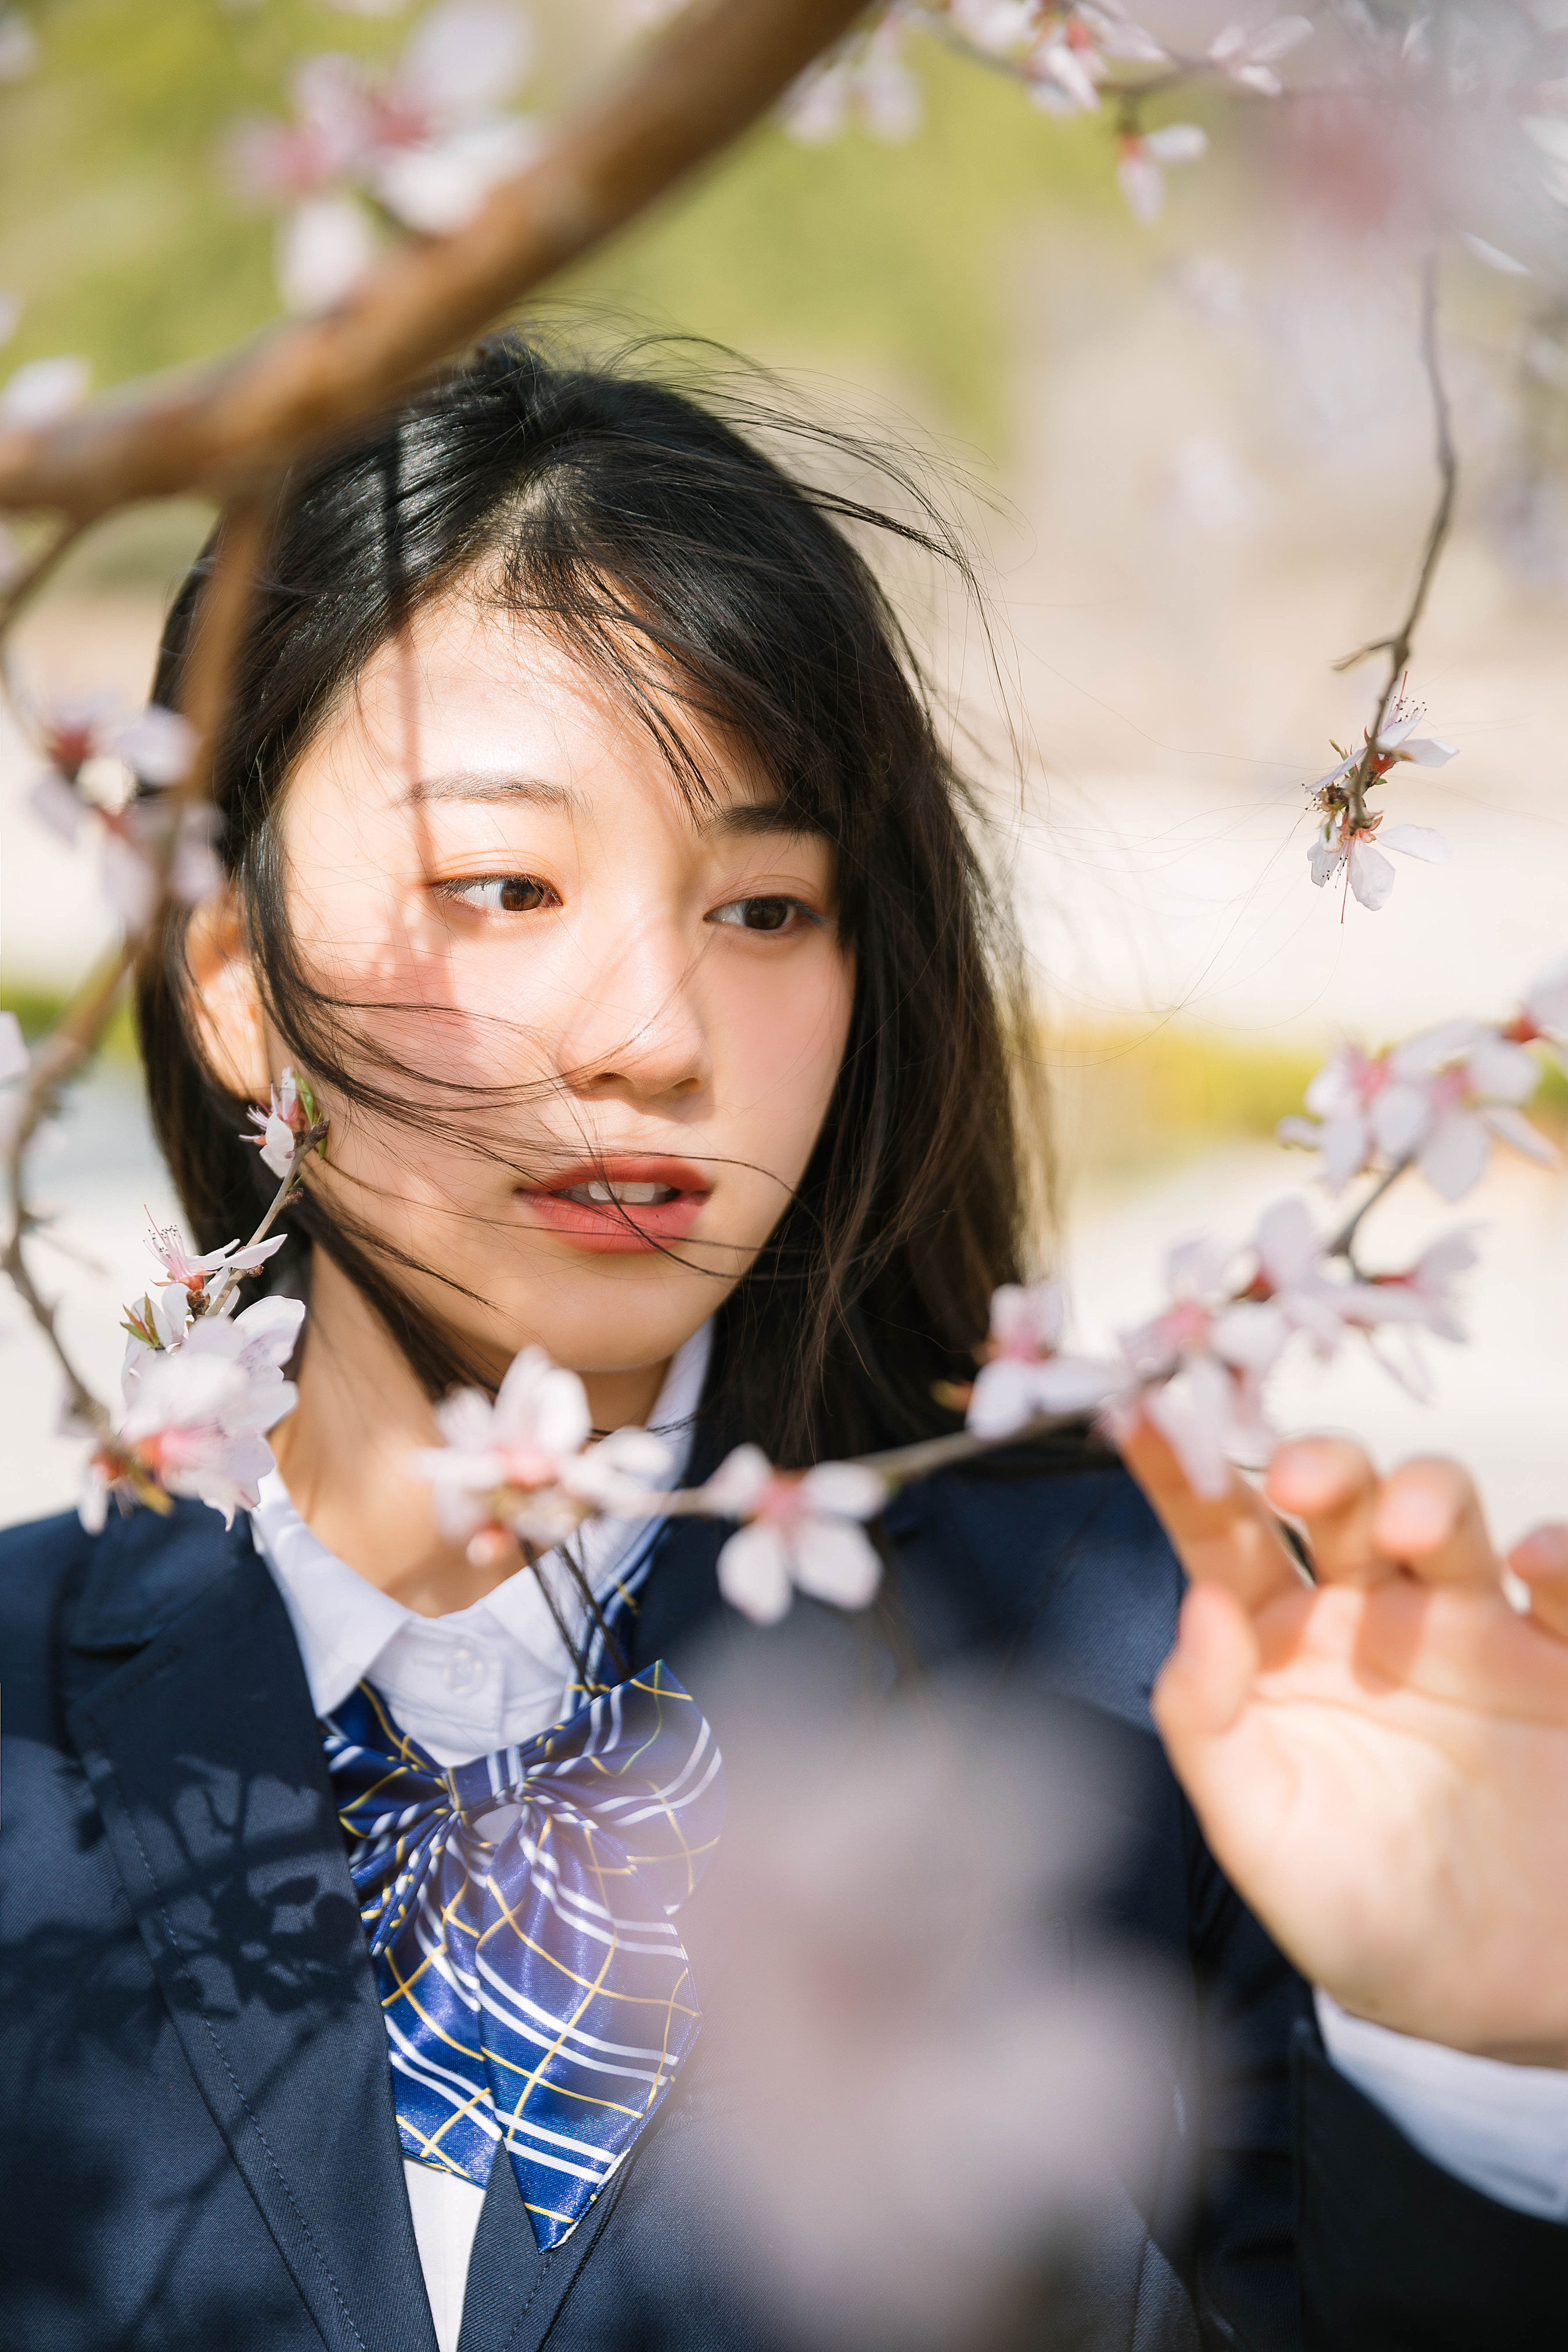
[739,817]
[758,817]
[535,791]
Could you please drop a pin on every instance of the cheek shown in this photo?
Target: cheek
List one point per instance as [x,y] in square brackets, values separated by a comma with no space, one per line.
[785,1037]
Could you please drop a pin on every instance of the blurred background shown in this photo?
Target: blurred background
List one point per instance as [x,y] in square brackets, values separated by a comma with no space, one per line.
[1194,459]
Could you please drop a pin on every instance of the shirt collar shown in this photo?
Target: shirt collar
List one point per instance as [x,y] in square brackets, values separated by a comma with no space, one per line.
[342,1623]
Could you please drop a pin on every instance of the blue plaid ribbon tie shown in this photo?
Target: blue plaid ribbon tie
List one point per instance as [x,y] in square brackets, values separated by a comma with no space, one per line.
[536,1993]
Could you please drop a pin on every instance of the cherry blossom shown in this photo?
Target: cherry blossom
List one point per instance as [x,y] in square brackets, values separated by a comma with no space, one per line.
[1544,1013]
[143,839]
[167,1313]
[1141,158]
[1023,1375]
[1398,1308]
[19,45]
[1291,1276]
[1362,1110]
[326,247]
[197,1414]
[500,1472]
[1247,54]
[1424,1294]
[1198,1367]
[290,1116]
[1439,1100]
[425,143]
[439,145]
[801,1532]
[1073,55]
[1472,1080]
[43,391]
[866,80]
[1355,847]
[1353,839]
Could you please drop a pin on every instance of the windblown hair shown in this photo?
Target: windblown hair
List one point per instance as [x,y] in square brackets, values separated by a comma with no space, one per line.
[691,573]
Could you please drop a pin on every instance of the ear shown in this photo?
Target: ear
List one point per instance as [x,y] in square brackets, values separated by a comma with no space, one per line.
[231,1026]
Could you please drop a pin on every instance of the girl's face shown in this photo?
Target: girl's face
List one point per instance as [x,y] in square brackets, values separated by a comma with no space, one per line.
[492,860]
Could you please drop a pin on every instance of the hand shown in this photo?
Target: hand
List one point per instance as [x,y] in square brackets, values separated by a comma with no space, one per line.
[1379,1760]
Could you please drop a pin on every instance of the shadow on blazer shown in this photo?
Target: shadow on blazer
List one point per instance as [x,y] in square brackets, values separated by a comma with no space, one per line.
[199,2148]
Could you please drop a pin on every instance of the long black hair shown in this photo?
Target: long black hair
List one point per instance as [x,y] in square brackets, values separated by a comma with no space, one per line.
[667,550]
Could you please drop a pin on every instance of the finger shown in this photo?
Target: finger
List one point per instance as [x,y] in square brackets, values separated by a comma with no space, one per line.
[1203,1684]
[1229,1539]
[1540,1563]
[1428,1519]
[1329,1484]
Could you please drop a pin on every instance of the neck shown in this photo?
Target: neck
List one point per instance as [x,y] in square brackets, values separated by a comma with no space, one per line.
[344,1451]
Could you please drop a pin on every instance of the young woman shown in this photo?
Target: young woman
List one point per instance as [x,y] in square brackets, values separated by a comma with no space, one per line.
[591,847]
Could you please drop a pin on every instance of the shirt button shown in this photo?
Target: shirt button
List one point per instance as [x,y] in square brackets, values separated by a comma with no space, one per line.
[463,1670]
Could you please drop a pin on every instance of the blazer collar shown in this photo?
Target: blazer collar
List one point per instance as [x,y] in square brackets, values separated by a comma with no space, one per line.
[205,1760]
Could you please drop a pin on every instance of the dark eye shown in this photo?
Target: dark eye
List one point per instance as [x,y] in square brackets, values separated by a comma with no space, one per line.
[759,914]
[501,893]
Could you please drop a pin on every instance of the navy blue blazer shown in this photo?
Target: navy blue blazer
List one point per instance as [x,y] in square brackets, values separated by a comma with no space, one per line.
[198,2148]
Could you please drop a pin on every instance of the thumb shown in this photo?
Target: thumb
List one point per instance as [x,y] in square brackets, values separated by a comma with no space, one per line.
[1204,1683]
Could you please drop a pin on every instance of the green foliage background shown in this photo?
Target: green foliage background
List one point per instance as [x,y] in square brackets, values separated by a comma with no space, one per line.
[124,243]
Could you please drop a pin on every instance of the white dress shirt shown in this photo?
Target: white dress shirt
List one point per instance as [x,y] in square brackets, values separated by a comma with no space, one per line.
[499,1673]
[487,1676]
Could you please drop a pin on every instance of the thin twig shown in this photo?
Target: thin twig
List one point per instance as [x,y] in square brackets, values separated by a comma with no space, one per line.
[1399,646]
[1342,1242]
[80,1029]
[68,1048]
[310,1141]
[31,579]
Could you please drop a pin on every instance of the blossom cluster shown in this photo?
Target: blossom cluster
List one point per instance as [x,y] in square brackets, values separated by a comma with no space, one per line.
[524,1470]
[419,146]
[109,778]
[201,1383]
[1066,54]
[1353,838]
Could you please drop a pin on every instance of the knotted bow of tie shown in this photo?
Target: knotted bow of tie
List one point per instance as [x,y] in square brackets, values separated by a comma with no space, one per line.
[537,1996]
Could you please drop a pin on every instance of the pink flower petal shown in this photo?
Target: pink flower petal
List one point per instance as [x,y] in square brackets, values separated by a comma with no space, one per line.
[835,1561]
[1454,1158]
[1372,875]
[1415,840]
[753,1574]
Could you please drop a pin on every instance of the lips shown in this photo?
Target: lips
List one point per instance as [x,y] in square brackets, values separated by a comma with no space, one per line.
[622,1203]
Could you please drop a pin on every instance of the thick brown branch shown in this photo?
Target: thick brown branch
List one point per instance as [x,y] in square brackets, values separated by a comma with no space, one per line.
[220,430]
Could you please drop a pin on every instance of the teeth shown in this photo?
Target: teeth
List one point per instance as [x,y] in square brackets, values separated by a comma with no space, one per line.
[629,1196]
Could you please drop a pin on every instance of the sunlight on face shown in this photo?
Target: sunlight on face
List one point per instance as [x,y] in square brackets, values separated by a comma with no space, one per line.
[620,1019]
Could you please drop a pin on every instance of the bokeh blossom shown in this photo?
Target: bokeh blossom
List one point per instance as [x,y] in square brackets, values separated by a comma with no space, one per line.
[1023,1374]
[801,1532]
[1247,54]
[1142,158]
[865,80]
[421,146]
[108,776]
[1440,1099]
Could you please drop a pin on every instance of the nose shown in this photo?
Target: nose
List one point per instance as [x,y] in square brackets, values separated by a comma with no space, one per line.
[636,1032]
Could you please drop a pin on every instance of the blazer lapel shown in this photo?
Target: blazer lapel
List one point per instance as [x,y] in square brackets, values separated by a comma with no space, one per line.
[206,1764]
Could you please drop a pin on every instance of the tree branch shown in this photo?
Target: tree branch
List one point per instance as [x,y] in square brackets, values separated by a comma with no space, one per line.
[1399,646]
[222,429]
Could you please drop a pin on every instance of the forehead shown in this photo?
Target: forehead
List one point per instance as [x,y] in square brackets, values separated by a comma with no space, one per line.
[470,692]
